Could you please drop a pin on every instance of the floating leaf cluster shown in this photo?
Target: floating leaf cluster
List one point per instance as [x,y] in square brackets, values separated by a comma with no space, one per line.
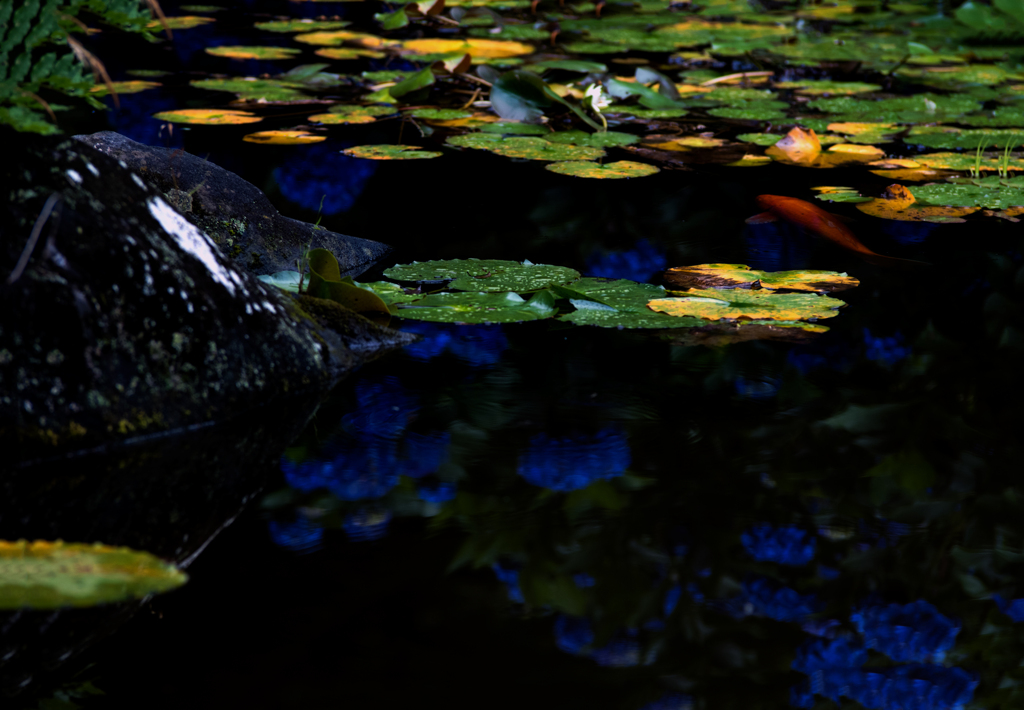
[728,297]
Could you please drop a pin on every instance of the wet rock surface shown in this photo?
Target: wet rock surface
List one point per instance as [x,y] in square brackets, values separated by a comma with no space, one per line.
[121,319]
[235,213]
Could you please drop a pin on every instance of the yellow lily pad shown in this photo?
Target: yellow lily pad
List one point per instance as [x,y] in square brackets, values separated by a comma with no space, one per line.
[476,48]
[342,53]
[864,132]
[208,116]
[180,23]
[614,171]
[711,304]
[124,87]
[265,53]
[898,203]
[528,147]
[340,37]
[728,276]
[51,575]
[283,138]
[390,152]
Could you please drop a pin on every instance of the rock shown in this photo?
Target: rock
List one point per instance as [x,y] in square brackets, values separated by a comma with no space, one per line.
[119,318]
[236,214]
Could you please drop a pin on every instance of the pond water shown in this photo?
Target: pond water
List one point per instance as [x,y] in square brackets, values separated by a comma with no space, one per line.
[574,517]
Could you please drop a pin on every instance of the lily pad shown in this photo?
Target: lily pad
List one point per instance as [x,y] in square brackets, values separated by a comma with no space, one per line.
[440,114]
[124,87]
[489,275]
[748,304]
[339,115]
[185,22]
[993,192]
[969,161]
[866,132]
[208,116]
[52,575]
[390,152]
[903,109]
[264,90]
[811,87]
[283,138]
[493,48]
[604,139]
[608,171]
[617,304]
[506,128]
[729,276]
[899,203]
[253,52]
[390,293]
[948,137]
[525,147]
[468,307]
[303,25]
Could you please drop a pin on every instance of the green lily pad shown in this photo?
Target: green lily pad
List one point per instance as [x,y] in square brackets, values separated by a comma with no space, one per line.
[604,139]
[769,110]
[617,304]
[469,307]
[253,52]
[748,304]
[527,147]
[765,139]
[994,193]
[391,293]
[968,160]
[253,89]
[608,171]
[729,276]
[813,87]
[927,108]
[440,114]
[941,137]
[301,25]
[1002,116]
[488,275]
[287,280]
[325,282]
[51,575]
[390,152]
[515,129]
[648,113]
[575,65]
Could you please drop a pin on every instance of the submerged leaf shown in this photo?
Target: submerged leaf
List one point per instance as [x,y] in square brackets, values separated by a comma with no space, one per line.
[51,575]
[287,280]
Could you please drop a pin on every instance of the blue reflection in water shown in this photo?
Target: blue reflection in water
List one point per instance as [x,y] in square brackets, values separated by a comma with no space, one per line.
[910,687]
[576,636]
[756,388]
[885,351]
[761,597]
[367,524]
[785,544]
[367,463]
[321,170]
[907,232]
[637,264]
[441,492]
[299,535]
[510,578]
[573,463]
[670,701]
[911,632]
[775,246]
[479,345]
[1014,608]
[831,356]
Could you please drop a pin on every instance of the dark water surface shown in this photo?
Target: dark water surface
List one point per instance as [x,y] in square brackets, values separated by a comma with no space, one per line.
[550,516]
